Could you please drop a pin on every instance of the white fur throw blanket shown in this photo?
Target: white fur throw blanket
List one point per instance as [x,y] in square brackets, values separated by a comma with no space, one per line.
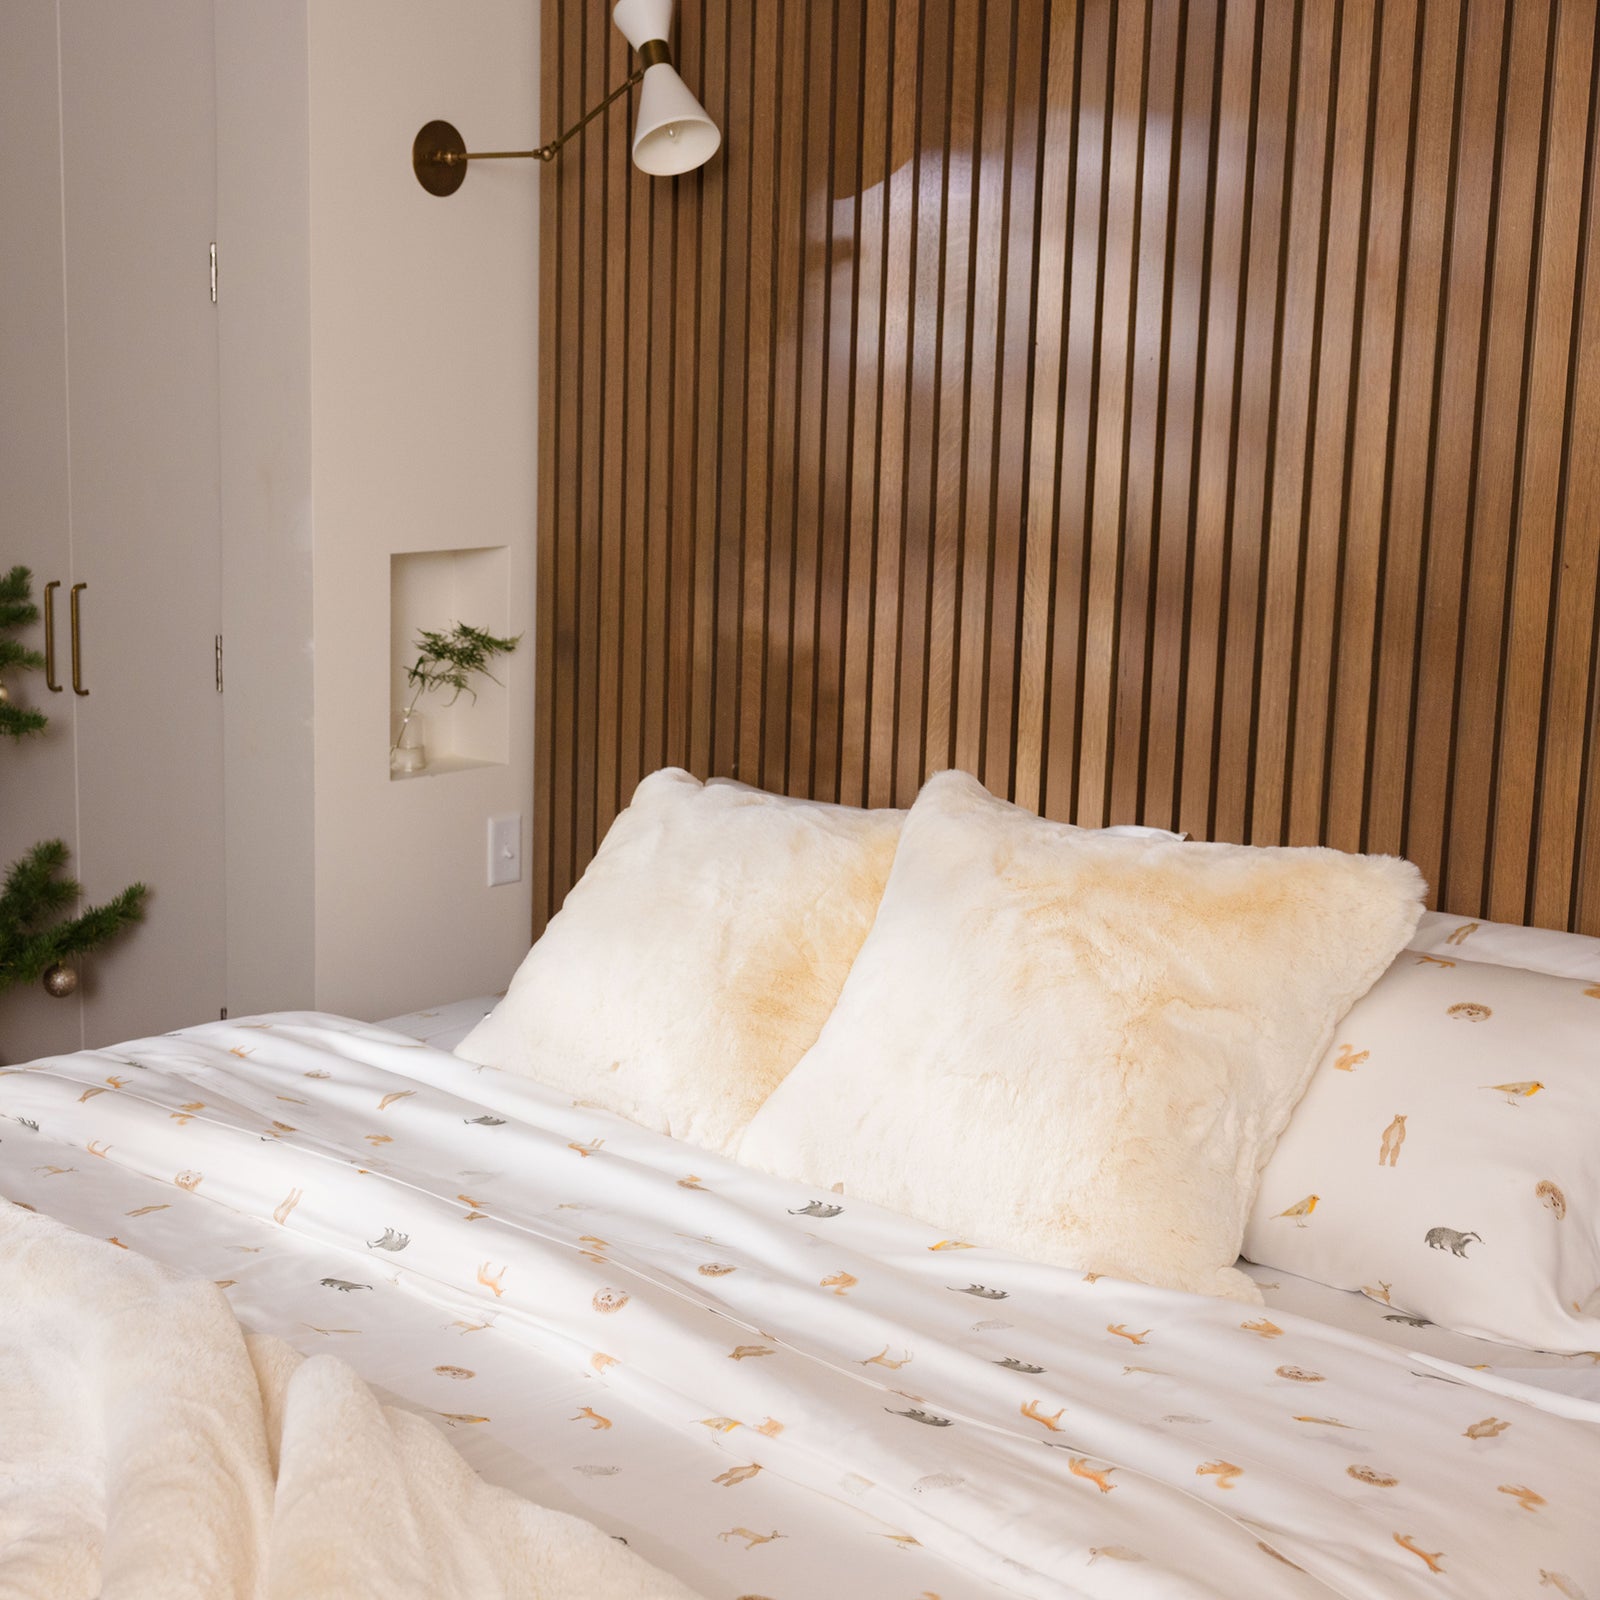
[151,1450]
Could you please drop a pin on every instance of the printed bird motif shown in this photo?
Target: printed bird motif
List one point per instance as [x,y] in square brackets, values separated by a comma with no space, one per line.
[1516,1091]
[590,1415]
[491,1280]
[1226,1474]
[1488,1428]
[952,1244]
[1526,1498]
[978,1291]
[600,1361]
[737,1475]
[241,1052]
[394,1096]
[114,1082]
[1123,1332]
[1350,1058]
[389,1239]
[1559,1581]
[1264,1326]
[816,1208]
[1033,1410]
[1324,1422]
[1301,1209]
[883,1359]
[917,1414]
[751,1539]
[743,1352]
[840,1282]
[454,1417]
[721,1424]
[1100,1477]
[185,1113]
[280,1213]
[1430,1559]
[376,1139]
[769,1428]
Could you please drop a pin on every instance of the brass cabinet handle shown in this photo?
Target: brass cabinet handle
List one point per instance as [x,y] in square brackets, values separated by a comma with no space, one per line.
[50,637]
[77,658]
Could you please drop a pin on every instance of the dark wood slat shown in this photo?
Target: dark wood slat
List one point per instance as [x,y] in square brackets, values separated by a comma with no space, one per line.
[1169,410]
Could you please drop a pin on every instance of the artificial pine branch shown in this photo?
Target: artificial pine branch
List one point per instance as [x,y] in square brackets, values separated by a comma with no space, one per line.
[17,722]
[35,891]
[17,609]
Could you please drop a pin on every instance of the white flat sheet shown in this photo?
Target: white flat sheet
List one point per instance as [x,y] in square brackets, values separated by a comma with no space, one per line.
[799,1342]
[444,1026]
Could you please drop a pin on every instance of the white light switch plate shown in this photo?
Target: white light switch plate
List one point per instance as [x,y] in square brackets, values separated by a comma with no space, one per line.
[505,850]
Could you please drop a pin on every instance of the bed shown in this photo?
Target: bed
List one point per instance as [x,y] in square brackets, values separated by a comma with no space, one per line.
[770,1391]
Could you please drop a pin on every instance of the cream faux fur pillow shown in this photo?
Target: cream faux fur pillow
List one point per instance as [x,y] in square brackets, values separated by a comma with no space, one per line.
[1078,1046]
[695,961]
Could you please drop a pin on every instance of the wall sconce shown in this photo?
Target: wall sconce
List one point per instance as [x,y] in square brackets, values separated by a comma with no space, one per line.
[671,133]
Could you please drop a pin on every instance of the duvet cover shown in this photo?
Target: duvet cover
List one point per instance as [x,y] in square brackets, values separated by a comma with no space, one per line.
[1049,1433]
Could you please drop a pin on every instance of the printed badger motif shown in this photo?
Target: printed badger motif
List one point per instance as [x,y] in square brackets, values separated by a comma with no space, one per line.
[1449,1239]
[816,1208]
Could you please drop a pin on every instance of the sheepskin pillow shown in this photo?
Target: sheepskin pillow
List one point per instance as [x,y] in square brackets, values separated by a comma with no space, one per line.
[1078,1046]
[695,961]
[1446,1158]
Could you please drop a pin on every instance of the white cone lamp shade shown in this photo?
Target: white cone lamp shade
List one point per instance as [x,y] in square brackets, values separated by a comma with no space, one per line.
[672,132]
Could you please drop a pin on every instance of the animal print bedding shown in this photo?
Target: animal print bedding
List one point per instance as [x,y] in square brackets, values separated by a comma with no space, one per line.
[1028,1430]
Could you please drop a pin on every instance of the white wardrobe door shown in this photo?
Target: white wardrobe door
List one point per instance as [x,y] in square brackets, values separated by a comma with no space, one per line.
[139,119]
[37,775]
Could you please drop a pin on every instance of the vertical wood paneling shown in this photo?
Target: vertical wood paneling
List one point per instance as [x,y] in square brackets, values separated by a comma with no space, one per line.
[1169,410]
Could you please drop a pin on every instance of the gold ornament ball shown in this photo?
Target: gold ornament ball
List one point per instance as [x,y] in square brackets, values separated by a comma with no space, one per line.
[60,980]
[5,695]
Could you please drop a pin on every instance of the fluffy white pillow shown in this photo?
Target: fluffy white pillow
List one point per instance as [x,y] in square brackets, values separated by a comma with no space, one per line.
[1451,1143]
[1079,1046]
[695,961]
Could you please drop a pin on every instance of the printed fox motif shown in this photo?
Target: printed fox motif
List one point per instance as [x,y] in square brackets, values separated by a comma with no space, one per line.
[1033,1410]
[840,1282]
[1122,1332]
[1350,1058]
[590,1415]
[883,1359]
[1100,1477]
[751,1540]
[1430,1559]
[585,1149]
[491,1280]
[1264,1326]
[1226,1474]
[1526,1498]
[1389,1145]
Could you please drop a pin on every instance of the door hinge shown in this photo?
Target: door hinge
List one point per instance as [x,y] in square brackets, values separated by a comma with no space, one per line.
[213,272]
[219,663]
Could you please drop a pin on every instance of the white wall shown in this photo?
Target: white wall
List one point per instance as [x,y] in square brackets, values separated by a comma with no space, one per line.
[423,377]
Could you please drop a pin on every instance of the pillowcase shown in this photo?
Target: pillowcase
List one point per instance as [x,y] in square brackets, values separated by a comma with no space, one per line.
[695,961]
[1446,1158]
[1078,1046]
[1504,944]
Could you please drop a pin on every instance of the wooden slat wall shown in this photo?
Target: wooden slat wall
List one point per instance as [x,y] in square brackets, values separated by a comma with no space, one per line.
[1184,411]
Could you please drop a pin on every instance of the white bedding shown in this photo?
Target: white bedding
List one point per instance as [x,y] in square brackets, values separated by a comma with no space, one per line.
[1011,1427]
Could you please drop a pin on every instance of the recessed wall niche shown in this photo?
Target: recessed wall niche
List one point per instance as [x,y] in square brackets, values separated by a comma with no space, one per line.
[435,589]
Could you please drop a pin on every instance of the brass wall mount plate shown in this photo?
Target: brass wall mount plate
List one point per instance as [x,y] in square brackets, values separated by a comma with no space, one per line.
[439,158]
